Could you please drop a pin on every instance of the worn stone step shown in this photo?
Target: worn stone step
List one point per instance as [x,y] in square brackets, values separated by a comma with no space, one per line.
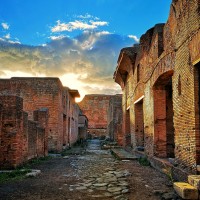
[185,190]
[194,180]
[123,154]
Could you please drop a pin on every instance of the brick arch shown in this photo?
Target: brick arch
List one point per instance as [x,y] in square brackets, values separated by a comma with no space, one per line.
[164,65]
[163,79]
[163,116]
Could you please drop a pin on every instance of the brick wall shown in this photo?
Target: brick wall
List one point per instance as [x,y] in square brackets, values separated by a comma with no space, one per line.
[72,115]
[115,118]
[168,80]
[139,124]
[95,107]
[12,145]
[20,138]
[41,93]
[42,117]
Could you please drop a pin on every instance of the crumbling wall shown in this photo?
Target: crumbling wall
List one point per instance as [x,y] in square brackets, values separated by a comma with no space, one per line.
[41,93]
[165,75]
[20,138]
[115,119]
[95,107]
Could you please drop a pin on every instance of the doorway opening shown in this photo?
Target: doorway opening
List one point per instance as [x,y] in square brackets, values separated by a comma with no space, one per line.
[163,117]
[64,130]
[128,129]
[139,125]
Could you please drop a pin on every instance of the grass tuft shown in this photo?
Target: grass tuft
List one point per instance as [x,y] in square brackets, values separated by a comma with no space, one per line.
[13,175]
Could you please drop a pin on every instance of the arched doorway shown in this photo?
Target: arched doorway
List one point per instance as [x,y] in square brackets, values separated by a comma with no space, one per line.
[163,116]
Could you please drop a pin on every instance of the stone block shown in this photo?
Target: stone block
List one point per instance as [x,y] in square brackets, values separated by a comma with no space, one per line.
[194,180]
[198,168]
[185,190]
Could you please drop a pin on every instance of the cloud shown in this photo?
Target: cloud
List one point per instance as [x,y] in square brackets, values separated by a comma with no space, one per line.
[86,16]
[7,39]
[86,62]
[7,36]
[5,26]
[134,37]
[77,25]
[99,23]
[57,37]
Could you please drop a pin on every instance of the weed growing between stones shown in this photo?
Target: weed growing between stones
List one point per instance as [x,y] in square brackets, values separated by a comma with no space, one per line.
[13,175]
[144,161]
[21,171]
[168,171]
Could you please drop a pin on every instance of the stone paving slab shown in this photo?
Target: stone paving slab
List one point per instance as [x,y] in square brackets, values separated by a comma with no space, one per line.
[123,154]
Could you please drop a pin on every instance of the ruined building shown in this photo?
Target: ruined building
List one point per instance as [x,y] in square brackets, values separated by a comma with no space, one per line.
[160,80]
[103,113]
[21,139]
[36,113]
[83,127]
[95,107]
[114,116]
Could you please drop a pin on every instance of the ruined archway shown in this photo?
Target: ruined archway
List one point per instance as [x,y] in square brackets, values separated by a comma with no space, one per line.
[163,116]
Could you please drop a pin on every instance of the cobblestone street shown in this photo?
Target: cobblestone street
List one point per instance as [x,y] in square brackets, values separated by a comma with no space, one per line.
[90,174]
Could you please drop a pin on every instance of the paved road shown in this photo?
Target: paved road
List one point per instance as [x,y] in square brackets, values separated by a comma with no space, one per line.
[90,174]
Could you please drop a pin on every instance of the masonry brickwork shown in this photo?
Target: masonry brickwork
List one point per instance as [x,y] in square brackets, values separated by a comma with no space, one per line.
[160,81]
[20,138]
[95,107]
[83,127]
[114,127]
[41,93]
[103,113]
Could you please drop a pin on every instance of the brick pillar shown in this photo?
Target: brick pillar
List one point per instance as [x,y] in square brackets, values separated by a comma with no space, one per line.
[42,117]
[11,134]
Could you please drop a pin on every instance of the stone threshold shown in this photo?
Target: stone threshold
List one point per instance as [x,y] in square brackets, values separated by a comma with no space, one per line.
[122,154]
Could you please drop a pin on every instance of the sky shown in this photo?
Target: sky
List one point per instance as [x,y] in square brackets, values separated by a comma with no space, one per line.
[78,41]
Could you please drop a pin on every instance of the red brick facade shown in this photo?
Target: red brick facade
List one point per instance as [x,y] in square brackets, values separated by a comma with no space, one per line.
[20,138]
[101,110]
[114,127]
[160,82]
[41,93]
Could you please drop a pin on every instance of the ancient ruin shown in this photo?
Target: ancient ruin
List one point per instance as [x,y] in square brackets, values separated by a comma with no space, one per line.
[159,78]
[37,115]
[104,115]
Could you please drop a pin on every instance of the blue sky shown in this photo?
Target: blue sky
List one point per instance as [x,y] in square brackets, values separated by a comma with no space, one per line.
[65,38]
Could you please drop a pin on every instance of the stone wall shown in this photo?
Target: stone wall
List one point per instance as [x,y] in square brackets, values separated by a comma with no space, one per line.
[160,83]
